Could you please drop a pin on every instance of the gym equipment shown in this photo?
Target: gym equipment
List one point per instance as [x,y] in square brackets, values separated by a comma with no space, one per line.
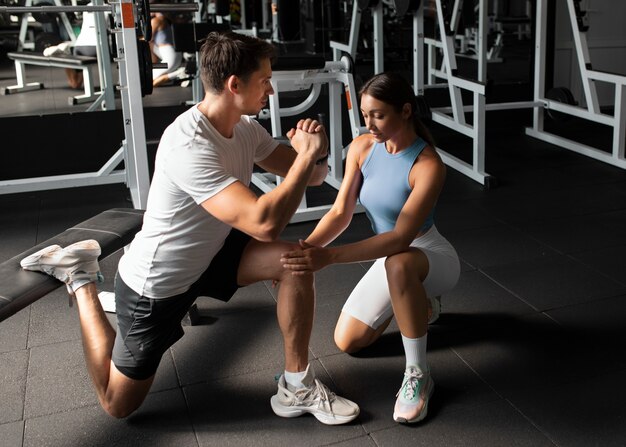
[84,63]
[564,96]
[556,104]
[591,109]
[42,14]
[133,150]
[350,48]
[453,117]
[401,8]
[105,98]
[144,21]
[113,229]
[145,67]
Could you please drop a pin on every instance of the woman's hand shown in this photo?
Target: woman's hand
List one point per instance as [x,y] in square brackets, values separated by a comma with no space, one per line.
[307,260]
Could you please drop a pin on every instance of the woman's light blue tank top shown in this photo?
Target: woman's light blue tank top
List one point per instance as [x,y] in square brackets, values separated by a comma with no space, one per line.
[164,36]
[386,186]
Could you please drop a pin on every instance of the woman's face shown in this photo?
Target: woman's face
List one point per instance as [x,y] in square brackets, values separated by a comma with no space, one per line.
[381,119]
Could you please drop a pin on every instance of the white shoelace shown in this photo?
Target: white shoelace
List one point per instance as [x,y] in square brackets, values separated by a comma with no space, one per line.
[411,386]
[317,394]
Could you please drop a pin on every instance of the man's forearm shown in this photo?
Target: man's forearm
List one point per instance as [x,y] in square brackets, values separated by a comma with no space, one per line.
[281,203]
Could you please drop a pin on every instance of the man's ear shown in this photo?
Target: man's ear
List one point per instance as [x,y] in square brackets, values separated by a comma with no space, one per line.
[232,83]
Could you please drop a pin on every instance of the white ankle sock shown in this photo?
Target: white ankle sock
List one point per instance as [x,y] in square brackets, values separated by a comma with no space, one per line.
[295,378]
[85,279]
[415,351]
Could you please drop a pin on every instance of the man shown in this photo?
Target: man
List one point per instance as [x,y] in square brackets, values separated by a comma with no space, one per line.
[206,233]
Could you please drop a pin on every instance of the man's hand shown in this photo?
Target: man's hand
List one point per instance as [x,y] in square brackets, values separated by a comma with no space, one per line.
[309,138]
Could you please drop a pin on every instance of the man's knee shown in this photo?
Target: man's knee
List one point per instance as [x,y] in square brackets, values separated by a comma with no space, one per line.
[301,279]
[119,411]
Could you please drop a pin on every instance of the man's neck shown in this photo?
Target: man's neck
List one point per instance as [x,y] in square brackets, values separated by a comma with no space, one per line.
[221,113]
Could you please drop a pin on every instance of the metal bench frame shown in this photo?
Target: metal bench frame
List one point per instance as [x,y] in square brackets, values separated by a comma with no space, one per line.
[83,63]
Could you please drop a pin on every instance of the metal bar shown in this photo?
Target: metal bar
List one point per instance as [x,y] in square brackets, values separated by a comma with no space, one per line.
[180,7]
[418,50]
[579,148]
[584,60]
[540,63]
[379,58]
[496,106]
[619,131]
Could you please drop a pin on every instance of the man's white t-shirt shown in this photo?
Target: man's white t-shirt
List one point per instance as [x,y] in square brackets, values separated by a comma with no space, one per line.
[179,238]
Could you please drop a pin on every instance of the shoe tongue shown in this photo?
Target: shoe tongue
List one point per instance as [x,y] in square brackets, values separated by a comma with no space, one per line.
[309,376]
[417,369]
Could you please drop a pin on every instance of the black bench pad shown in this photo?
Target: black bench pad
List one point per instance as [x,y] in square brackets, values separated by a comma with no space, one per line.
[39,57]
[113,229]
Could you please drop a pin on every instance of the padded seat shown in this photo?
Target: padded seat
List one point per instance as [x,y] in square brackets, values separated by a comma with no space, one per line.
[64,60]
[113,229]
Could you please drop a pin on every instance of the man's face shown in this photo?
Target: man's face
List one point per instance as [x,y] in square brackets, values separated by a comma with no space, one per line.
[254,93]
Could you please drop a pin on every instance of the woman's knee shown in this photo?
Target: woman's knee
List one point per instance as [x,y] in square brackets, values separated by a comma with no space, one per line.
[348,344]
[406,267]
[352,335]
[397,268]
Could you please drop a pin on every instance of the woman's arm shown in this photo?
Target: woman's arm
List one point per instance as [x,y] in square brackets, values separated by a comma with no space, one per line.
[337,219]
[427,176]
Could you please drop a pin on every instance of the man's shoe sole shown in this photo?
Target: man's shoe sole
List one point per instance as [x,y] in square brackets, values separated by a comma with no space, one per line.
[292,412]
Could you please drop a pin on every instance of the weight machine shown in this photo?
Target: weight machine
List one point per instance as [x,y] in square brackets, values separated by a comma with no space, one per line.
[355,25]
[23,43]
[135,79]
[453,116]
[104,98]
[591,110]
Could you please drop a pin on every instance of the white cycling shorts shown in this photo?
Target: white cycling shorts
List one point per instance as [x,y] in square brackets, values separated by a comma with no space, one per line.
[370,301]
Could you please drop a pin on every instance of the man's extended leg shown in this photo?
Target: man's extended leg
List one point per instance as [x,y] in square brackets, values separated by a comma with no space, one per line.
[300,392]
[296,298]
[77,266]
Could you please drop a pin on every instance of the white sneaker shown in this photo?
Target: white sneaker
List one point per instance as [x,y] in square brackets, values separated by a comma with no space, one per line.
[412,402]
[75,265]
[62,49]
[315,398]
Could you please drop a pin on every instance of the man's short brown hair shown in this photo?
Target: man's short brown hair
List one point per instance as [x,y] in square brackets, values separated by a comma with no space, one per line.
[225,54]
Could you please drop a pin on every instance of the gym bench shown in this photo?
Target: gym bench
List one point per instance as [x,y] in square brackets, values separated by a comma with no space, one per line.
[84,63]
[113,229]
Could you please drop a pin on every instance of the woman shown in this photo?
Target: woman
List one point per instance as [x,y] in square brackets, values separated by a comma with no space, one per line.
[162,46]
[397,175]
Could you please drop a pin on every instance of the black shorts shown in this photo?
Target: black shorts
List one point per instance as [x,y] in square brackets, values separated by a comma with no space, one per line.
[147,327]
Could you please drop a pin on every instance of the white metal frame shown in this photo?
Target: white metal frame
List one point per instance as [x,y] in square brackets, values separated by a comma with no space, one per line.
[454,118]
[104,98]
[591,111]
[353,38]
[23,44]
[24,86]
[339,80]
[133,150]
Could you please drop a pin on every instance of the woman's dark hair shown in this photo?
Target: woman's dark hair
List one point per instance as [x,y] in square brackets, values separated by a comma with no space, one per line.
[391,88]
[225,54]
